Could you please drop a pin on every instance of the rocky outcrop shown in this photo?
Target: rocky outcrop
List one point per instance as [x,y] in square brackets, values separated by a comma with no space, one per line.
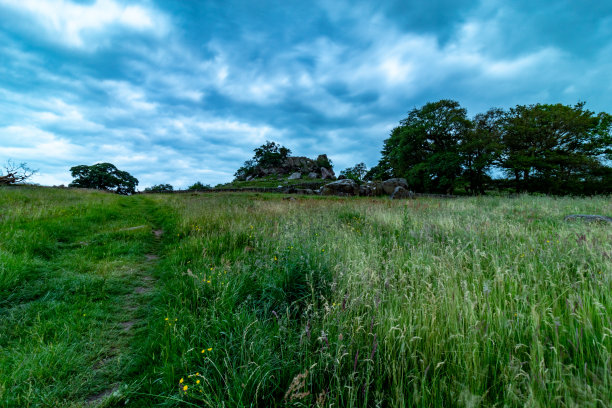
[326,174]
[345,187]
[298,165]
[390,185]
[295,176]
[371,189]
[401,192]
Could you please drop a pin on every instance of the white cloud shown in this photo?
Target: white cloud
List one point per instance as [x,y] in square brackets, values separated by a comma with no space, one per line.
[71,23]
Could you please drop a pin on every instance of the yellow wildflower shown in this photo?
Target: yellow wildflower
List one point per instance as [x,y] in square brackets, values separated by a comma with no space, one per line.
[181,381]
[209,349]
[198,381]
[185,388]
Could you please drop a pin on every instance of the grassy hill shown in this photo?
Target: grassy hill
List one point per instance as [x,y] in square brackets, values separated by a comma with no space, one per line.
[238,299]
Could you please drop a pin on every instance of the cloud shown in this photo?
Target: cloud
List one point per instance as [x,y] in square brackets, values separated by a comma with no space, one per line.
[79,25]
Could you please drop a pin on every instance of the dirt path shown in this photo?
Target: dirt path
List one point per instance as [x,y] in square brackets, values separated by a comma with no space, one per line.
[142,283]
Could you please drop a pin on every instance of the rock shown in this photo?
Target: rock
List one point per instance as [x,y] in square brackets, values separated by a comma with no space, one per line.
[390,185]
[313,175]
[305,191]
[590,218]
[401,192]
[371,189]
[249,178]
[295,176]
[342,177]
[327,173]
[341,187]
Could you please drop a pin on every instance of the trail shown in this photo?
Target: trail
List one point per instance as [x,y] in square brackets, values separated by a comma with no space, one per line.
[130,320]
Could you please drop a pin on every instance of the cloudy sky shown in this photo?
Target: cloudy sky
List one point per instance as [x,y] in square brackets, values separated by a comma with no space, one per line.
[180,91]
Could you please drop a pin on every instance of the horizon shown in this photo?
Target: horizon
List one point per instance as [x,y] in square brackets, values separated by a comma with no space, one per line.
[176,92]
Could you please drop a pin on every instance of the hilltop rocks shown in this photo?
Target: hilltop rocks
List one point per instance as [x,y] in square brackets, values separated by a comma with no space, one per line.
[313,175]
[341,187]
[401,192]
[371,189]
[295,176]
[390,185]
[326,173]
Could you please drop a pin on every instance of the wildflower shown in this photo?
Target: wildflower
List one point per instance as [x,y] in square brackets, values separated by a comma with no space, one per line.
[166,318]
[84,314]
[198,381]
[275,258]
[207,281]
[197,374]
[203,351]
[181,380]
[209,349]
[185,387]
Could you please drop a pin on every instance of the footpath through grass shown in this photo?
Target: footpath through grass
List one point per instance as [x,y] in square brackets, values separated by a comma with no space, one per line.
[345,302]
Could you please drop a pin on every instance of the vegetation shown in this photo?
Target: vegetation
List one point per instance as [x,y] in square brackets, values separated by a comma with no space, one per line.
[268,155]
[103,176]
[552,149]
[324,301]
[199,186]
[357,172]
[160,188]
[15,173]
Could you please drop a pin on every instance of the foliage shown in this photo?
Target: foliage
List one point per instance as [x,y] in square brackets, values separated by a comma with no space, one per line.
[160,188]
[15,173]
[270,154]
[103,176]
[357,172]
[199,186]
[324,161]
[425,147]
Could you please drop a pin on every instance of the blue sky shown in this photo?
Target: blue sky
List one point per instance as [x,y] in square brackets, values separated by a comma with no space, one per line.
[180,91]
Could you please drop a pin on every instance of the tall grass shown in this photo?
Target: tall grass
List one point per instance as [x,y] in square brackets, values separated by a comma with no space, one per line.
[362,302]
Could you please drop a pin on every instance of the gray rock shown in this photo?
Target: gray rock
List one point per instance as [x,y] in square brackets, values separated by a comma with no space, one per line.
[371,189]
[590,218]
[313,175]
[390,185]
[249,178]
[305,191]
[327,173]
[295,176]
[341,187]
[401,192]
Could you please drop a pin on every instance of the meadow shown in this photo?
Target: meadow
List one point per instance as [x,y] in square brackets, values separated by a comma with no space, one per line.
[254,300]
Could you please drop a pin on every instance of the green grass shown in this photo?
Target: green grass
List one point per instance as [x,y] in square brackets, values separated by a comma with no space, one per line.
[270,182]
[259,301]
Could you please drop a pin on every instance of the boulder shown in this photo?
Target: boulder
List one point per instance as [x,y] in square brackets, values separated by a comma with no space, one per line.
[588,218]
[305,191]
[390,185]
[371,189]
[401,192]
[342,177]
[249,178]
[341,187]
[295,176]
[313,175]
[327,173]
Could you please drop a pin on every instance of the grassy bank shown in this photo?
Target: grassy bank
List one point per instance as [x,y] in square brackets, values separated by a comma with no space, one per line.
[260,301]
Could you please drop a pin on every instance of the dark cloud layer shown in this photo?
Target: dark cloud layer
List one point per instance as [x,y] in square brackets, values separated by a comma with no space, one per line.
[179,91]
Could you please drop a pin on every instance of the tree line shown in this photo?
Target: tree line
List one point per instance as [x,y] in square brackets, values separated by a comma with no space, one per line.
[545,148]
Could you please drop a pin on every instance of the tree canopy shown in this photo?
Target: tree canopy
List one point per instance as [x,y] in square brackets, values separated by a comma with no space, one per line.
[103,176]
[549,148]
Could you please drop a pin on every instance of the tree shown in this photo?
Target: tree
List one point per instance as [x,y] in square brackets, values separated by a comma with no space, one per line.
[160,188]
[270,154]
[356,172]
[15,173]
[481,148]
[425,147]
[557,148]
[103,176]
[199,186]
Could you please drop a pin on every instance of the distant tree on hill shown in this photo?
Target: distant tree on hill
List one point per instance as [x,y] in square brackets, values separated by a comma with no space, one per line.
[103,176]
[159,188]
[199,186]
[357,172]
[15,173]
[270,154]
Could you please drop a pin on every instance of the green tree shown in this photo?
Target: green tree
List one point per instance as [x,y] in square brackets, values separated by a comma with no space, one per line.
[270,154]
[556,148]
[357,172]
[481,148]
[103,176]
[425,148]
[199,186]
[160,188]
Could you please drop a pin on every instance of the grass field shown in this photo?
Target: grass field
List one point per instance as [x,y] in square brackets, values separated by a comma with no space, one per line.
[253,300]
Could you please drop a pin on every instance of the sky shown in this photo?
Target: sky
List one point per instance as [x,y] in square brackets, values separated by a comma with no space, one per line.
[183,91]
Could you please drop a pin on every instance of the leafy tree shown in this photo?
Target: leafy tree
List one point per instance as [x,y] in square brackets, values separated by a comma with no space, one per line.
[425,148]
[103,176]
[199,186]
[249,168]
[556,148]
[15,173]
[270,154]
[160,188]
[357,172]
[481,148]
[324,161]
